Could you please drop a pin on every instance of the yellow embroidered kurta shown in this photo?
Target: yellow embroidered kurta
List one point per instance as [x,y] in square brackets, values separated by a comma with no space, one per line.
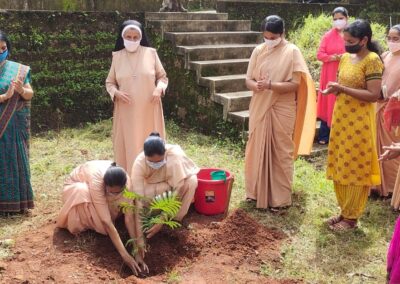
[352,154]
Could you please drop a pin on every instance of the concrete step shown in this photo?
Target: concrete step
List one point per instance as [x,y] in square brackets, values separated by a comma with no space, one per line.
[232,102]
[240,117]
[215,52]
[209,68]
[215,38]
[185,16]
[199,25]
[224,84]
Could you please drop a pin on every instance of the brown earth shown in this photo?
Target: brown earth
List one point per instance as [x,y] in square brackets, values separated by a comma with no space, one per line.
[204,250]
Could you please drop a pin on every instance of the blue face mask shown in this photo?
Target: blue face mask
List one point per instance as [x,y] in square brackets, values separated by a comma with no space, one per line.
[154,165]
[3,56]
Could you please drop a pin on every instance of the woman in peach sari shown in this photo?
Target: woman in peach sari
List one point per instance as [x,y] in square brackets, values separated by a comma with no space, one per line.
[390,87]
[91,196]
[282,117]
[136,83]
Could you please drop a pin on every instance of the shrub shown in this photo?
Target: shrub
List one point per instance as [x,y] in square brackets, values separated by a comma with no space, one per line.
[307,37]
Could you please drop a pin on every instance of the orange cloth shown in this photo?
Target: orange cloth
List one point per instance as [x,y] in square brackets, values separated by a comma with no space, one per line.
[85,204]
[136,73]
[390,79]
[279,127]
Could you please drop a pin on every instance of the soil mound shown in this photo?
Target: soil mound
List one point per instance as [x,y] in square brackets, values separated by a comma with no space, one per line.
[204,250]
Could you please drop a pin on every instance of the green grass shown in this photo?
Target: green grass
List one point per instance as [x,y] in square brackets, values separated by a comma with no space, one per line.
[311,252]
[316,254]
[173,277]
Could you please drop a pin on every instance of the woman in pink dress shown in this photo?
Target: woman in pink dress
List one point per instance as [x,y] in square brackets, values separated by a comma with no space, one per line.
[393,256]
[330,50]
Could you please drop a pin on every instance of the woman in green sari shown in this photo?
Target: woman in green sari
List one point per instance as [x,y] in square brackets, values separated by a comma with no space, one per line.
[15,94]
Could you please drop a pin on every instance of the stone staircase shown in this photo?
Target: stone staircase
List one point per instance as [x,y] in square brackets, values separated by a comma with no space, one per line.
[217,50]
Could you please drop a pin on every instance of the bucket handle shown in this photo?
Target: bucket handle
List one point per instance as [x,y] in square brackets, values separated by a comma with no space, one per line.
[231,180]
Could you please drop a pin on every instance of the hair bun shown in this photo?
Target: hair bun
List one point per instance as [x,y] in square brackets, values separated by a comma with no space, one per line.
[113,164]
[155,134]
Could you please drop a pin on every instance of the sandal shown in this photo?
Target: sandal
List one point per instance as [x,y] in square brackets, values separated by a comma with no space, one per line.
[278,209]
[333,220]
[250,200]
[344,225]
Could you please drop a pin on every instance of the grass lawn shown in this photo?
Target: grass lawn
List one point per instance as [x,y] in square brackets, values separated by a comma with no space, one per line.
[311,252]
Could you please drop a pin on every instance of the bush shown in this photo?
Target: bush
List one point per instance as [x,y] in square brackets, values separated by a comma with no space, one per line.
[307,37]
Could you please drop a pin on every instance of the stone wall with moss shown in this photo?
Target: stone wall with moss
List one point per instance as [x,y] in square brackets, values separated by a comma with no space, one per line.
[70,55]
[292,13]
[381,11]
[99,5]
[385,12]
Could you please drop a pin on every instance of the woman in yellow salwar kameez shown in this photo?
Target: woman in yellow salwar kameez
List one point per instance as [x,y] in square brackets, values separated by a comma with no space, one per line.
[282,117]
[352,156]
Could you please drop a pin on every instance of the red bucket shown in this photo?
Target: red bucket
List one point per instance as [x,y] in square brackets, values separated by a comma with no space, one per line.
[212,196]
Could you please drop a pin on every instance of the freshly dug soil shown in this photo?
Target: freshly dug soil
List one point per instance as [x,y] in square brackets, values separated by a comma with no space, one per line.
[204,250]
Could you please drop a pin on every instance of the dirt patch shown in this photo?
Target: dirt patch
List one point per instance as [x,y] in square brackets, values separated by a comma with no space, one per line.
[318,156]
[203,251]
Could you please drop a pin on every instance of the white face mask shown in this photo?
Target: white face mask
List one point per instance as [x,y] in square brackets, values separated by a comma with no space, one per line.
[157,165]
[130,45]
[340,24]
[271,43]
[393,46]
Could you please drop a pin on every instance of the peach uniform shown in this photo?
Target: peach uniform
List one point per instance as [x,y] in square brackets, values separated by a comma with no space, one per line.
[178,174]
[391,85]
[137,74]
[281,126]
[85,203]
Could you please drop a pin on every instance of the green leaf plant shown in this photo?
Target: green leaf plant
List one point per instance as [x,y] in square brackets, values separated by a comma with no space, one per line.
[162,209]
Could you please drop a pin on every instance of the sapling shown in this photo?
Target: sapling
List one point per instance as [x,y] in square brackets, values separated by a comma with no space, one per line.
[162,209]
